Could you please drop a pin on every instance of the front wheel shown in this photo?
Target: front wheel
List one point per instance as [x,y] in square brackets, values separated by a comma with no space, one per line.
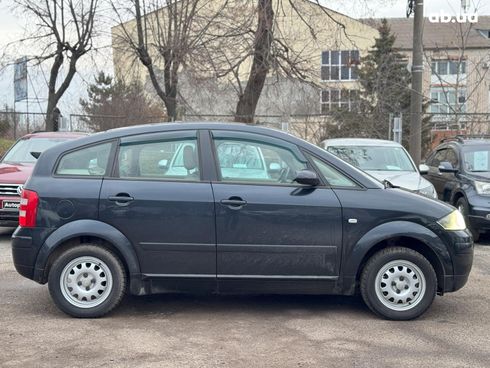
[87,281]
[398,283]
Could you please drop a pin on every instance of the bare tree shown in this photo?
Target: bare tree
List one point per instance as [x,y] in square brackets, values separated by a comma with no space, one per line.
[272,51]
[168,35]
[63,32]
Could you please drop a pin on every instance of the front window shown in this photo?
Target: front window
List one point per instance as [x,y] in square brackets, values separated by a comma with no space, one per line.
[21,151]
[476,159]
[333,176]
[251,161]
[374,158]
[339,65]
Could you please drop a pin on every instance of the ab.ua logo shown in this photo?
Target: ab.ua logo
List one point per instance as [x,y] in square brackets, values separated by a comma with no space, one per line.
[443,17]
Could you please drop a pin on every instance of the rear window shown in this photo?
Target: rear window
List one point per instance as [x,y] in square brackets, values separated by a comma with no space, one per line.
[87,161]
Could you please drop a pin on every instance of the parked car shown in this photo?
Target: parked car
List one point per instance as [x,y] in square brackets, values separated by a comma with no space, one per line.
[100,216]
[385,160]
[459,168]
[16,166]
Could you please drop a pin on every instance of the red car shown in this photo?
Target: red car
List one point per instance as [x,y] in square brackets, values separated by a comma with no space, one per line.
[16,166]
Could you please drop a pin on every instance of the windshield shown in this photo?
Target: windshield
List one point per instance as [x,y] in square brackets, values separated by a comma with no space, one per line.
[374,158]
[476,159]
[21,151]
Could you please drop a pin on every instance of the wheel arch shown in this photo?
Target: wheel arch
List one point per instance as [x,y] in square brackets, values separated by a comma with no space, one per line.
[398,233]
[85,231]
[410,243]
[456,196]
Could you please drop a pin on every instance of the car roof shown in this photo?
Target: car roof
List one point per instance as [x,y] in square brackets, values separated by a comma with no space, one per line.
[49,157]
[54,135]
[359,142]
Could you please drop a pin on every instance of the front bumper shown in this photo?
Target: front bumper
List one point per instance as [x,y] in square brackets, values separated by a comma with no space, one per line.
[478,218]
[9,216]
[462,259]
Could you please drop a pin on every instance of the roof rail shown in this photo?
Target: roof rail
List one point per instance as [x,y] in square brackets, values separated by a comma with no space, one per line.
[457,138]
[461,137]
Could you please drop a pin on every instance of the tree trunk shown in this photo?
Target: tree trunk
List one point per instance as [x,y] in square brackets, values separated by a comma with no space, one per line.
[247,102]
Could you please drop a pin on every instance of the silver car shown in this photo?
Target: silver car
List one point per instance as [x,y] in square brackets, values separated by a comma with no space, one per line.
[385,160]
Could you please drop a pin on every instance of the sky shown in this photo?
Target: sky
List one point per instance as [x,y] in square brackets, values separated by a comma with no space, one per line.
[12,28]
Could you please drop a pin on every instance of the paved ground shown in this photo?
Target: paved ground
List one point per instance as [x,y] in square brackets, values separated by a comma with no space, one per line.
[189,331]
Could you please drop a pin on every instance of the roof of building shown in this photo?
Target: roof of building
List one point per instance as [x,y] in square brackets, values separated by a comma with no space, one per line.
[439,35]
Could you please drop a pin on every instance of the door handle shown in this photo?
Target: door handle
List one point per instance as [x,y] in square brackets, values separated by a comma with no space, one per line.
[234,203]
[121,199]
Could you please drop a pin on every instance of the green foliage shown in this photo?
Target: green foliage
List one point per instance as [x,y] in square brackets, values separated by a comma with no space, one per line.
[114,103]
[5,144]
[385,92]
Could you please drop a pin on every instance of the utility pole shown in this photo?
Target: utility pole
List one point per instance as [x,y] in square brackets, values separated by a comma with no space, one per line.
[415,142]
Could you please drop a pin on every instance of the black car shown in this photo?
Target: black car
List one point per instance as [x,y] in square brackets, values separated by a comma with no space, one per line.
[459,168]
[228,208]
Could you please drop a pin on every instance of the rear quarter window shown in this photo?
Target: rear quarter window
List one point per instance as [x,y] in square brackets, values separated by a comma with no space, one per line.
[87,161]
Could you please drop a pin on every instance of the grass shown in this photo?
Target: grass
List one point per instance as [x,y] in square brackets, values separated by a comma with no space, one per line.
[5,144]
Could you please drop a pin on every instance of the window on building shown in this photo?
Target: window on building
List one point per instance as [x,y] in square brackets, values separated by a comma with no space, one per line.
[339,99]
[448,67]
[447,100]
[484,32]
[339,65]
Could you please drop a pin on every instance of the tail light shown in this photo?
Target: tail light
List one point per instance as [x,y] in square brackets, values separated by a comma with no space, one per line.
[28,208]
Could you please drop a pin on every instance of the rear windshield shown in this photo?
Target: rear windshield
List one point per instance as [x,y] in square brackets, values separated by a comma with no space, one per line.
[21,151]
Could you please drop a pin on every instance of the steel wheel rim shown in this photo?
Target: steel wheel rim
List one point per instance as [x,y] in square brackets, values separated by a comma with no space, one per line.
[86,282]
[400,285]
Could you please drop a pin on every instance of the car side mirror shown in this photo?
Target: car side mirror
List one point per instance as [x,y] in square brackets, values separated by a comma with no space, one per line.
[447,167]
[423,169]
[274,167]
[307,177]
[36,154]
[163,164]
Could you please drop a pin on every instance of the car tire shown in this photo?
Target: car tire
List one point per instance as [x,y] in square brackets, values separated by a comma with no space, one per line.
[464,208]
[398,283]
[87,281]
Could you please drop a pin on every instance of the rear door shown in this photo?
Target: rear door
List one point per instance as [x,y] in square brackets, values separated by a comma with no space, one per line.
[269,227]
[166,212]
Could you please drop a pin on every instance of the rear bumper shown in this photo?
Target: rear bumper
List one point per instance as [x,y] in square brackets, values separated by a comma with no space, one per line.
[23,254]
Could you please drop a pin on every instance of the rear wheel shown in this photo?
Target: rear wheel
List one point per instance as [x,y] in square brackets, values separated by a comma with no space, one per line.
[398,283]
[464,208]
[87,281]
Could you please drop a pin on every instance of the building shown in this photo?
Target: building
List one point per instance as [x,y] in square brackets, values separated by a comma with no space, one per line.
[327,44]
[456,71]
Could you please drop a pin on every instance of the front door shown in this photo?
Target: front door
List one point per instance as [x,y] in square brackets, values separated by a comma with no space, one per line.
[157,199]
[268,226]
[437,178]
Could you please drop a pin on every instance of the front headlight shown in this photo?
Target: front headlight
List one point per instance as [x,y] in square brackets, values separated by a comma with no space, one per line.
[453,221]
[429,191]
[482,187]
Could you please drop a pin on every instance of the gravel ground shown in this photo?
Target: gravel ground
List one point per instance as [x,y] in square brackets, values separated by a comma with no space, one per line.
[258,331]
